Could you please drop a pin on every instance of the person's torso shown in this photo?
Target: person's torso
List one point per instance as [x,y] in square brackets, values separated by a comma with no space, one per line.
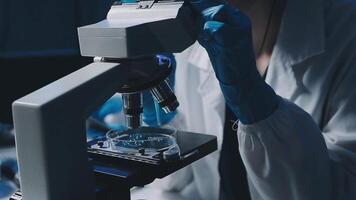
[312,81]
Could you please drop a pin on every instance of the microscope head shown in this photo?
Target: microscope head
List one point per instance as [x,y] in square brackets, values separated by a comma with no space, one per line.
[132,30]
[133,34]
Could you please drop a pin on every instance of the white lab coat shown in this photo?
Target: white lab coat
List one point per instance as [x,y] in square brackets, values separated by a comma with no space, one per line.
[307,148]
[201,110]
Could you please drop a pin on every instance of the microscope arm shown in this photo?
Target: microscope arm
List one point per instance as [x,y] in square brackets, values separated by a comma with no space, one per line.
[51,135]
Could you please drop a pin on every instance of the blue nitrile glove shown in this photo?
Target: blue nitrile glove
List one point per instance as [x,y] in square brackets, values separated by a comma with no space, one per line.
[113,107]
[7,137]
[153,115]
[8,177]
[8,168]
[226,35]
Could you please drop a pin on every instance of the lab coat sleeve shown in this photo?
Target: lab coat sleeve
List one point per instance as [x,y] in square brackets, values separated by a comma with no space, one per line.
[285,156]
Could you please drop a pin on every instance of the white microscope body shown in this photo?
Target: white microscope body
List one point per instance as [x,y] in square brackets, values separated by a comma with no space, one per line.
[130,31]
[50,122]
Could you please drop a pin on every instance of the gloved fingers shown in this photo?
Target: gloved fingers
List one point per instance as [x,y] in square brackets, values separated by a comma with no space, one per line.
[211,32]
[8,168]
[227,14]
[222,24]
[216,13]
[149,109]
[200,5]
[233,47]
[171,77]
[148,102]
[218,10]
[113,105]
[198,23]
[224,35]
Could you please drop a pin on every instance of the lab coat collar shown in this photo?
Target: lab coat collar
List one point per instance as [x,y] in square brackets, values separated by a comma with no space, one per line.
[301,33]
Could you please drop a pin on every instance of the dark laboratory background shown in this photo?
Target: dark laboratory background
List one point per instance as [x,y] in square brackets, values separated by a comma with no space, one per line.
[38,44]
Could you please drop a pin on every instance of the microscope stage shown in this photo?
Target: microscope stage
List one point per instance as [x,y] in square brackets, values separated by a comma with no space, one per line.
[138,170]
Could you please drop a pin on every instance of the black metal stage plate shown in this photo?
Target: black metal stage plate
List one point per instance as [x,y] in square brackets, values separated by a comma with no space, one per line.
[133,172]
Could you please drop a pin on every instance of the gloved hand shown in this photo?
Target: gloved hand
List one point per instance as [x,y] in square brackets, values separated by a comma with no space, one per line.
[226,35]
[7,137]
[8,169]
[110,115]
[9,181]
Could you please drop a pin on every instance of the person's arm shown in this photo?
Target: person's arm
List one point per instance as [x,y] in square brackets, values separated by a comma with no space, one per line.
[287,157]
[283,149]
[226,34]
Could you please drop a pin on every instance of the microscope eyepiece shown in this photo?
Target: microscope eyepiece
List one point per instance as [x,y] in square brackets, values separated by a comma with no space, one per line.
[165,97]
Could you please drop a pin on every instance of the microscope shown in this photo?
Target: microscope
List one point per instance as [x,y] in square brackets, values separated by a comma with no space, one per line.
[57,162]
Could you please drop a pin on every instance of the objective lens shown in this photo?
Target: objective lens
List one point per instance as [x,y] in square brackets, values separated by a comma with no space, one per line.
[165,97]
[133,108]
